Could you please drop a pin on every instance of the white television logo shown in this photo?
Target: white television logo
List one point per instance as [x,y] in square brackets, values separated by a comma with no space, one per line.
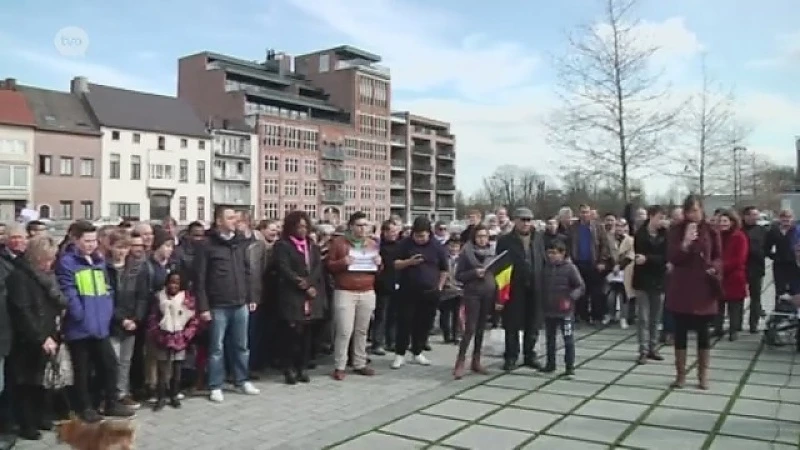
[71,41]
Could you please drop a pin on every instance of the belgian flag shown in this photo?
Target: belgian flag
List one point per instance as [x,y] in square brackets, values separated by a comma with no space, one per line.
[502,269]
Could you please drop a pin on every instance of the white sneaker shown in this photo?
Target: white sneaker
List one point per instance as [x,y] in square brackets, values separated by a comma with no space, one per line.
[216,396]
[422,360]
[399,361]
[606,320]
[623,323]
[247,388]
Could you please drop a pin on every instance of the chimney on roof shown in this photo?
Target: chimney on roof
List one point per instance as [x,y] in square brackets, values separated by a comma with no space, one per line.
[10,84]
[270,54]
[79,85]
[285,66]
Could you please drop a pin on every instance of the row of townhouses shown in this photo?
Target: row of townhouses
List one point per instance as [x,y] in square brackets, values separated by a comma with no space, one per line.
[315,132]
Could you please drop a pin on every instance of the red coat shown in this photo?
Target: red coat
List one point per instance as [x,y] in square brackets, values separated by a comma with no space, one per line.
[735,250]
[690,289]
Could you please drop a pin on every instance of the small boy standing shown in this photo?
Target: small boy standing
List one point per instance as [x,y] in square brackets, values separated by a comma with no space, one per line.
[563,286]
[450,299]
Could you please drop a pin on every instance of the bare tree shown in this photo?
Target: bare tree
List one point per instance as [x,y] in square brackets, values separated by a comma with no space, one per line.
[616,115]
[513,186]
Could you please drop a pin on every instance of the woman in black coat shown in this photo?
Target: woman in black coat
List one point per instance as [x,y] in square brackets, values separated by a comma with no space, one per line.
[301,293]
[35,306]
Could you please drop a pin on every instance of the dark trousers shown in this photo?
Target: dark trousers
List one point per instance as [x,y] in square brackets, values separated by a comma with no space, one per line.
[517,318]
[256,326]
[592,305]
[783,274]
[296,342]
[30,405]
[735,310]
[476,313]
[93,355]
[390,320]
[415,312]
[684,323]
[7,399]
[448,318]
[551,327]
[755,283]
[137,375]
[377,329]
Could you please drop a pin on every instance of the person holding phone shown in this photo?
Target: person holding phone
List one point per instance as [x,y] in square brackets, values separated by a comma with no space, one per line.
[422,265]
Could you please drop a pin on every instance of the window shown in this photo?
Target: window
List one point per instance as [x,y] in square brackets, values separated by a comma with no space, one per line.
[349,173]
[87,167]
[113,172]
[271,187]
[16,147]
[271,210]
[365,193]
[350,192]
[349,210]
[291,188]
[136,138]
[310,166]
[162,143]
[324,63]
[182,209]
[161,172]
[310,189]
[126,210]
[271,164]
[44,211]
[289,207]
[88,209]
[45,164]
[136,167]
[291,165]
[201,172]
[66,167]
[311,210]
[201,208]
[66,209]
[13,176]
[201,145]
[115,135]
[184,171]
[184,143]
[366,173]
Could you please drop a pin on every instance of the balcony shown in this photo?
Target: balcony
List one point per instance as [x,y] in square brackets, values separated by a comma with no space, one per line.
[444,170]
[332,197]
[421,167]
[399,164]
[398,183]
[445,134]
[445,204]
[367,66]
[223,196]
[332,174]
[398,141]
[398,200]
[422,186]
[421,202]
[332,152]
[243,177]
[424,150]
[445,153]
[446,186]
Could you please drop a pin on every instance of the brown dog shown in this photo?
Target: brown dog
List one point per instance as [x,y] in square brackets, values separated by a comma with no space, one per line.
[105,435]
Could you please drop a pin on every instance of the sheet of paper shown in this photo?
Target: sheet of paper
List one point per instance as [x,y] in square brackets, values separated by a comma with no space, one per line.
[363,260]
[494,260]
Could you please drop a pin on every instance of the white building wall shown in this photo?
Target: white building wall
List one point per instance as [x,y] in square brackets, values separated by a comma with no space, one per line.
[219,191]
[16,158]
[125,189]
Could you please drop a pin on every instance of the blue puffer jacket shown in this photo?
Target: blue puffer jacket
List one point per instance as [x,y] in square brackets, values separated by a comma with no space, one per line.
[90,303]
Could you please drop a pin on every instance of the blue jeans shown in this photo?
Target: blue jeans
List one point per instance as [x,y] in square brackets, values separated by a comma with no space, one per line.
[228,338]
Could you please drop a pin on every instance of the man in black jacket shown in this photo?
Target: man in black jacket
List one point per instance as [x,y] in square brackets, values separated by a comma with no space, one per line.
[224,299]
[7,441]
[778,247]
[757,236]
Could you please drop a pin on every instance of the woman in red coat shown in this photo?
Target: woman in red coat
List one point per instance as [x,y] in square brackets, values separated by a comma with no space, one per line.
[735,248]
[694,287]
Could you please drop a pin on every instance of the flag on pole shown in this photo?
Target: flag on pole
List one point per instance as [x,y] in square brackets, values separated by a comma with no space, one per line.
[502,269]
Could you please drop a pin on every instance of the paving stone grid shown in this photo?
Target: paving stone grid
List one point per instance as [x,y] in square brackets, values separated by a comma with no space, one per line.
[754,403]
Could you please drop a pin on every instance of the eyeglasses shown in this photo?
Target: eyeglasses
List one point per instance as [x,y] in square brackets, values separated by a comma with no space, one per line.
[525,219]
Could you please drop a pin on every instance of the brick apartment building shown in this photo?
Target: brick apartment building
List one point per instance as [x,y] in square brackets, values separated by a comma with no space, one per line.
[322,119]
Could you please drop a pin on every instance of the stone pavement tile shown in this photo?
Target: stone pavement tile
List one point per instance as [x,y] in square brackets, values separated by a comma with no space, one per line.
[779,367]
[774,379]
[681,418]
[371,441]
[521,419]
[729,376]
[551,442]
[525,370]
[663,368]
[609,364]
[607,409]
[688,399]
[481,437]
[424,427]
[735,354]
[728,364]
[590,429]
[594,375]
[735,443]
[569,387]
[656,438]
[766,409]
[544,401]
[491,394]
[460,409]
[642,380]
[594,344]
[631,394]
[619,355]
[771,393]
[724,388]
[515,381]
[781,354]
[764,429]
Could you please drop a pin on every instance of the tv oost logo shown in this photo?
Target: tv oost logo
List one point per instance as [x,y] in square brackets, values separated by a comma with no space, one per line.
[71,41]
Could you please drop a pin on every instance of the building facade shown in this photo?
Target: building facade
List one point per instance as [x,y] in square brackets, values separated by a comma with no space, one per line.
[17,125]
[423,168]
[67,156]
[320,149]
[155,153]
[234,177]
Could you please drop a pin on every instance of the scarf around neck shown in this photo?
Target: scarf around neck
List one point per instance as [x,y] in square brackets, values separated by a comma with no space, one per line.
[477,256]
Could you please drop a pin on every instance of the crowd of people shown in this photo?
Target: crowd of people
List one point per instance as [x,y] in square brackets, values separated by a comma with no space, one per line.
[118,316]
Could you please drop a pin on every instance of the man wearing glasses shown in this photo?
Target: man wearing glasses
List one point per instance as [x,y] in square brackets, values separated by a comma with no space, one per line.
[441,233]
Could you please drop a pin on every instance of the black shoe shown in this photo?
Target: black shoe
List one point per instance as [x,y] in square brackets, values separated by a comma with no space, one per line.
[311,365]
[289,377]
[533,363]
[8,441]
[90,416]
[160,403]
[389,348]
[509,365]
[549,368]
[175,402]
[733,336]
[378,351]
[254,375]
[30,434]
[117,409]
[302,377]
[569,373]
[427,347]
[46,425]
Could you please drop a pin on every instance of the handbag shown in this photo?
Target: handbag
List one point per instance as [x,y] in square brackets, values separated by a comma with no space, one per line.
[58,369]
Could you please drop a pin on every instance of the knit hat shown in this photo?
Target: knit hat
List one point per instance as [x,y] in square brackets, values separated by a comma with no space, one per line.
[160,237]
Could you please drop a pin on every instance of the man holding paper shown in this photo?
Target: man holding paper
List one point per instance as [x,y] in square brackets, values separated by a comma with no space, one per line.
[354,261]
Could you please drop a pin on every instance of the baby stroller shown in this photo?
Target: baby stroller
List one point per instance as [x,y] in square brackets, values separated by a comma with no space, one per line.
[782,324]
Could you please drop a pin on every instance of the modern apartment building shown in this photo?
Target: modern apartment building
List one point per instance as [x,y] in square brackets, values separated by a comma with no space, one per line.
[67,156]
[156,154]
[234,177]
[322,121]
[17,125]
[423,166]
